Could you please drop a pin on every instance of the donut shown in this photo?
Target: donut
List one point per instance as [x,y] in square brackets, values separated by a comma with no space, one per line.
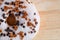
[19,20]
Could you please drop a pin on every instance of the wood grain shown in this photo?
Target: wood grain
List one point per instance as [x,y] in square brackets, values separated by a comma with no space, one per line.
[50,19]
[50,26]
[46,5]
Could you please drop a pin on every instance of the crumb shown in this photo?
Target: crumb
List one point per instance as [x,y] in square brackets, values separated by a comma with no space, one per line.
[21,34]
[35,19]
[1,1]
[5,8]
[0,30]
[21,6]
[15,27]
[29,24]
[24,14]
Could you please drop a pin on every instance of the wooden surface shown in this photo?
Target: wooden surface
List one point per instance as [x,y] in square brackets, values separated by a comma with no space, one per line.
[50,19]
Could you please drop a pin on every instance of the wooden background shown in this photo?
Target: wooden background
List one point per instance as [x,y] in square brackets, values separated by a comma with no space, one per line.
[50,19]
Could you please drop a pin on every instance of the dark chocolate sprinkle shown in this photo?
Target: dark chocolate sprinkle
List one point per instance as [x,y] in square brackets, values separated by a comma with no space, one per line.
[29,19]
[9,11]
[17,23]
[13,32]
[1,20]
[31,31]
[3,15]
[1,34]
[8,34]
[16,14]
[5,21]
[36,22]
[13,3]
[4,35]
[2,9]
[25,34]
[7,27]
[21,2]
[8,30]
[34,13]
[7,3]
[23,26]
[10,14]
[20,12]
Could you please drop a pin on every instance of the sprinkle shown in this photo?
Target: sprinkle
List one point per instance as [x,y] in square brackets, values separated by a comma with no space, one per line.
[3,15]
[34,13]
[21,6]
[8,30]
[23,26]
[1,20]
[1,34]
[13,32]
[9,11]
[20,12]
[25,34]
[17,23]
[36,22]
[15,27]
[2,9]
[21,2]
[31,31]
[16,14]
[8,34]
[4,35]
[7,3]
[12,3]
